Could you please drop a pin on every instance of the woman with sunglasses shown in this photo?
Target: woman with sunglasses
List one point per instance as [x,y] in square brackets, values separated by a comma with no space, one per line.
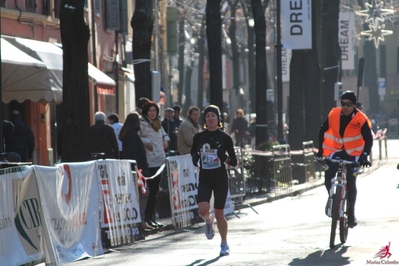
[346,134]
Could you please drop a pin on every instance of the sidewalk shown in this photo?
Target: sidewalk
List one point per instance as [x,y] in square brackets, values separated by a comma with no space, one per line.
[297,189]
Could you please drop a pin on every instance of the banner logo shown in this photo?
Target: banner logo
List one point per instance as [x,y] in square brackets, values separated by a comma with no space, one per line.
[66,171]
[28,213]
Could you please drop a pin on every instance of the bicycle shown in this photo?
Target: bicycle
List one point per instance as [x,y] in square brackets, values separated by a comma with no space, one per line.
[336,206]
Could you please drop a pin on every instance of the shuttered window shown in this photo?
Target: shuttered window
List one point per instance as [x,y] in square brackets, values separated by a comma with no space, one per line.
[97,5]
[112,14]
[30,6]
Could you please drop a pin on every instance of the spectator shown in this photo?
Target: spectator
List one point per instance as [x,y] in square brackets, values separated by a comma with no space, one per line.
[155,142]
[360,107]
[116,125]
[21,140]
[252,132]
[140,103]
[188,128]
[240,128]
[8,127]
[102,138]
[133,148]
[176,115]
[226,125]
[169,125]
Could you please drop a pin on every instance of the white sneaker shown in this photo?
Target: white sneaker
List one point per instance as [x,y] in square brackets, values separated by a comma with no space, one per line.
[209,231]
[224,249]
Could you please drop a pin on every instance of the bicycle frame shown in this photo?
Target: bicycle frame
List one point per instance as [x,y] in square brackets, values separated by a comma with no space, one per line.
[337,200]
[338,180]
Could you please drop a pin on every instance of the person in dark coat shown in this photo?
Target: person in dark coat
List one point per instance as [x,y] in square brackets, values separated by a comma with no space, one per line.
[240,128]
[170,127]
[176,115]
[21,140]
[102,138]
[133,148]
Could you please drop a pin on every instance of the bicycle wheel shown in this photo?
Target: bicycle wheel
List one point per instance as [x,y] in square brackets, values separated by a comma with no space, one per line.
[334,218]
[343,225]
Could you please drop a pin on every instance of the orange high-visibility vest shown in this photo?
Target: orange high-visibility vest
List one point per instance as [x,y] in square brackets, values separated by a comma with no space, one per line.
[352,141]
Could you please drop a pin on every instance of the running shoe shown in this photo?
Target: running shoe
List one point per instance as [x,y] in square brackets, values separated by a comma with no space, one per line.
[209,231]
[224,249]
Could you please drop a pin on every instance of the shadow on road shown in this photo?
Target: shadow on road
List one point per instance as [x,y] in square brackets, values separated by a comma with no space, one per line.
[324,257]
[202,262]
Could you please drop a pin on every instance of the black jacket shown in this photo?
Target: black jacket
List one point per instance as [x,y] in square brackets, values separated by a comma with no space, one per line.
[170,127]
[21,140]
[103,139]
[133,148]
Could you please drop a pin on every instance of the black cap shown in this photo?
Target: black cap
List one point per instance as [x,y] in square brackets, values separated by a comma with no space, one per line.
[349,95]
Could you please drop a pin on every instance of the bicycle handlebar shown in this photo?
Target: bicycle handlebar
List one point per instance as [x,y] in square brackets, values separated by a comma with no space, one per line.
[338,161]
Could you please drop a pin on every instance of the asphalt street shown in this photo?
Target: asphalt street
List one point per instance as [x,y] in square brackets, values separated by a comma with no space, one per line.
[289,231]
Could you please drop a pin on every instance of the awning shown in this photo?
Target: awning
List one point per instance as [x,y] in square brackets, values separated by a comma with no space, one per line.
[103,83]
[21,85]
[24,77]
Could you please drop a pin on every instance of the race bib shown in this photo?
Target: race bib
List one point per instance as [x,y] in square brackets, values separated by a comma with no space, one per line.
[210,159]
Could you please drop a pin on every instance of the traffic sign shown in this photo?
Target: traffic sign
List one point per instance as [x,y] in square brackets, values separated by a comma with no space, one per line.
[381,86]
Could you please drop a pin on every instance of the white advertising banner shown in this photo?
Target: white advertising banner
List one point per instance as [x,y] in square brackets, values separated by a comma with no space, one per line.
[286,55]
[183,189]
[346,39]
[296,24]
[120,210]
[71,209]
[21,229]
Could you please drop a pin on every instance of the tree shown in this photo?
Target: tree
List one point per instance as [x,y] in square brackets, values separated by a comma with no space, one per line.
[331,55]
[182,44]
[75,107]
[246,7]
[142,24]
[213,33]
[261,71]
[234,46]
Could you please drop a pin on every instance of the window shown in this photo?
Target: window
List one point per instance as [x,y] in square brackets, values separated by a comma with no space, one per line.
[97,7]
[30,6]
[3,3]
[57,5]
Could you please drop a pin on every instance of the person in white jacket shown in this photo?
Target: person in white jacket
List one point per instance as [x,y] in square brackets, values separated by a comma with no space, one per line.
[155,141]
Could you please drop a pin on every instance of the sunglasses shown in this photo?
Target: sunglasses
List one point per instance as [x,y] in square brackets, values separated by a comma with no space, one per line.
[349,104]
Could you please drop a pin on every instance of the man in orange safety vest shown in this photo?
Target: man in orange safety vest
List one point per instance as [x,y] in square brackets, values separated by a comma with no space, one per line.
[346,134]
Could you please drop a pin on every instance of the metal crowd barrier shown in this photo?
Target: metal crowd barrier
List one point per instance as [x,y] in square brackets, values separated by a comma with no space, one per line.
[381,137]
[237,178]
[282,169]
[258,171]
